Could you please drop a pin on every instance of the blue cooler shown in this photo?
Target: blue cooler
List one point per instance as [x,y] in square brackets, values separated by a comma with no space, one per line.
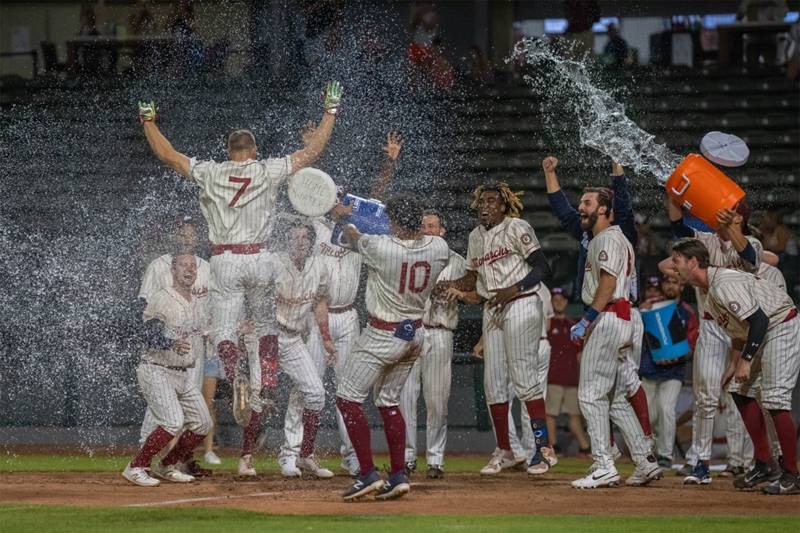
[369,216]
[664,331]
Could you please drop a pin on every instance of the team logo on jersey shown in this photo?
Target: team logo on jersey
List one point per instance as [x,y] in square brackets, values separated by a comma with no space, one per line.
[588,266]
[723,320]
[526,239]
[734,307]
[603,256]
[491,257]
[329,251]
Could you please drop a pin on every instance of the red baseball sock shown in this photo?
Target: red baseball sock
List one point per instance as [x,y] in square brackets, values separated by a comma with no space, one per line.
[154,443]
[639,403]
[310,428]
[251,434]
[268,357]
[784,427]
[536,409]
[611,433]
[395,428]
[358,431]
[499,412]
[229,355]
[186,444]
[756,426]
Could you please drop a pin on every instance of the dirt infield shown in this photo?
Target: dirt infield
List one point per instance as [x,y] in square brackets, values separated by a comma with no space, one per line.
[459,493]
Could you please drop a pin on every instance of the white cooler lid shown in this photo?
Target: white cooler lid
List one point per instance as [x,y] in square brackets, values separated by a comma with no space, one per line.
[724,149]
[312,192]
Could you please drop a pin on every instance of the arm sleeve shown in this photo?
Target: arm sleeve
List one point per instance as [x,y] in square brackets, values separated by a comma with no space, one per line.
[153,334]
[566,215]
[523,238]
[278,169]
[759,323]
[540,269]
[751,255]
[680,229]
[623,209]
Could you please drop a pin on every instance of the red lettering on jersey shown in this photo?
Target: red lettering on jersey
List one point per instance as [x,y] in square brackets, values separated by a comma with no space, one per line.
[723,320]
[302,299]
[199,292]
[491,257]
[330,251]
[588,266]
[412,278]
[245,183]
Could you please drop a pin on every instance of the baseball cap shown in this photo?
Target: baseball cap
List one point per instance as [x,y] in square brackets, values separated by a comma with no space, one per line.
[653,281]
[558,290]
[744,210]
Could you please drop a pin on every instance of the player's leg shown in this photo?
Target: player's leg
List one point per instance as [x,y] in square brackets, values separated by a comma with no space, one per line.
[670,390]
[345,331]
[438,372]
[528,438]
[208,391]
[553,403]
[227,304]
[409,398]
[740,446]
[197,422]
[652,391]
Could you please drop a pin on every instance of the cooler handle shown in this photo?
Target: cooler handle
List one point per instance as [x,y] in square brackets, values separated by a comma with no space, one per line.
[686,184]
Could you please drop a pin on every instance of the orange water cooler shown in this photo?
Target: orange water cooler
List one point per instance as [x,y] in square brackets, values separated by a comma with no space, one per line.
[700,188]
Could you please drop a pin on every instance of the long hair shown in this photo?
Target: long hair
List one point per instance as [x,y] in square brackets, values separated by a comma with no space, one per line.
[507,196]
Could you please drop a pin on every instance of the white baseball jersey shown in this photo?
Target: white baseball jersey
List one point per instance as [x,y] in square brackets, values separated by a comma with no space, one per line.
[296,291]
[498,255]
[237,198]
[401,274]
[182,318]
[612,252]
[547,307]
[159,276]
[440,312]
[723,254]
[772,274]
[733,296]
[344,267]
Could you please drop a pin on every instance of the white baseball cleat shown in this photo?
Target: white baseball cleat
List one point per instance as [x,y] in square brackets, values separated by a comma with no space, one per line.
[645,472]
[172,473]
[246,468]
[288,464]
[212,459]
[350,465]
[601,477]
[139,476]
[501,459]
[312,465]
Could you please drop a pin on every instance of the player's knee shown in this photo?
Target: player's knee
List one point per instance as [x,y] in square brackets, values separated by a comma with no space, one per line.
[741,401]
[202,426]
[173,425]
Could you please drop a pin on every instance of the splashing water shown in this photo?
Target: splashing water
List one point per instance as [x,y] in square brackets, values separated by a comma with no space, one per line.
[603,123]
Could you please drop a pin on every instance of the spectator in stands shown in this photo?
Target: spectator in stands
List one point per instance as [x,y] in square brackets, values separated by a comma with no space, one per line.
[662,380]
[190,50]
[439,70]
[615,53]
[88,54]
[562,380]
[478,71]
[778,238]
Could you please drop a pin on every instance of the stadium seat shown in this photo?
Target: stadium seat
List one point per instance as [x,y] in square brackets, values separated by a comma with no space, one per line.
[541,220]
[558,242]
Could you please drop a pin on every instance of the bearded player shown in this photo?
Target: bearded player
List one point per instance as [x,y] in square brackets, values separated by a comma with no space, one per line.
[402,269]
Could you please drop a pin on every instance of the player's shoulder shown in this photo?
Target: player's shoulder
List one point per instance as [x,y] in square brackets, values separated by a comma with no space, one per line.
[518,224]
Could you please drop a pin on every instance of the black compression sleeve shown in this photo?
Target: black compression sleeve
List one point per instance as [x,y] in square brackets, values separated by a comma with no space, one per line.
[540,269]
[153,333]
[680,229]
[749,254]
[759,323]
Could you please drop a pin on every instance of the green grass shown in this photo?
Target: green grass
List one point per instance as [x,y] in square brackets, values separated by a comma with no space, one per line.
[75,463]
[30,518]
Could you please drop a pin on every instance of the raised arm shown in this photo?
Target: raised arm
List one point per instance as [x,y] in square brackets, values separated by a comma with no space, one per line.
[159,144]
[394,143]
[559,202]
[316,143]
[679,228]
[623,208]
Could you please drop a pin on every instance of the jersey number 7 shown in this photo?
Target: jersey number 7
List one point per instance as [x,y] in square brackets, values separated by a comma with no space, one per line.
[245,182]
[411,277]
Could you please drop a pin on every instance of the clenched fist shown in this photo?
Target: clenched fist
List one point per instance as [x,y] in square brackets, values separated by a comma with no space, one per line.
[549,164]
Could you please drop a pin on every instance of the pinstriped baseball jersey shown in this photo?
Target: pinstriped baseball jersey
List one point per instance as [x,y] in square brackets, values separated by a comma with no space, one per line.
[159,276]
[401,274]
[612,252]
[344,267]
[296,291]
[772,274]
[733,296]
[498,254]
[440,312]
[237,198]
[184,319]
[547,307]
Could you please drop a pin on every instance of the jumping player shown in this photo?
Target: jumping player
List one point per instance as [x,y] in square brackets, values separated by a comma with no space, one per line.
[402,268]
[762,322]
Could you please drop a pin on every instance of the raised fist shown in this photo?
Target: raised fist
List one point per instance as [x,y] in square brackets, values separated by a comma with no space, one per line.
[549,164]
[147,112]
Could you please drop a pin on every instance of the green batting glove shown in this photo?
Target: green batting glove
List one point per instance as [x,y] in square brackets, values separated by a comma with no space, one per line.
[147,112]
[333,97]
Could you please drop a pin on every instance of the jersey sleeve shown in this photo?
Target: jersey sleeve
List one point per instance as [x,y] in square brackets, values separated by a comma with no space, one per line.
[610,256]
[278,169]
[522,238]
[369,248]
[759,249]
[199,170]
[157,307]
[459,266]
[470,263]
[736,297]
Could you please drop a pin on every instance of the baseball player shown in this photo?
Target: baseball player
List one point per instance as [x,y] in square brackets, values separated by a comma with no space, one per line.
[505,263]
[344,270]
[237,198]
[762,322]
[608,333]
[402,269]
[158,276]
[621,215]
[434,365]
[731,247]
[174,325]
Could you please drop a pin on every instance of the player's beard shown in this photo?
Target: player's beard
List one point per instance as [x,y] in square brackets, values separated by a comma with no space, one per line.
[591,220]
[669,295]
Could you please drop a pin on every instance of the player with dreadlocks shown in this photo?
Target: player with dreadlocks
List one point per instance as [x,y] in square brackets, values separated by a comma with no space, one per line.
[505,263]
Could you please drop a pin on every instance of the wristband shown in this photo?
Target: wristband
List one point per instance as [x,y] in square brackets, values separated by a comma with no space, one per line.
[592,314]
[325,331]
[333,110]
[748,356]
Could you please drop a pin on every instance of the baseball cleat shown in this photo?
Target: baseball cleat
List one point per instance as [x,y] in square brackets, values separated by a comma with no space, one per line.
[543,461]
[212,459]
[350,465]
[242,410]
[664,462]
[733,471]
[601,477]
[246,468]
[366,484]
[501,459]
[193,468]
[139,476]
[787,484]
[172,473]
[685,470]
[312,465]
[395,487]
[761,473]
[645,473]
[288,464]
[521,463]
[411,466]
[700,475]
[435,472]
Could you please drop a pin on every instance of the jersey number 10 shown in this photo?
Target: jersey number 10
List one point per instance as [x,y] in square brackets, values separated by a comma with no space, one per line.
[409,277]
